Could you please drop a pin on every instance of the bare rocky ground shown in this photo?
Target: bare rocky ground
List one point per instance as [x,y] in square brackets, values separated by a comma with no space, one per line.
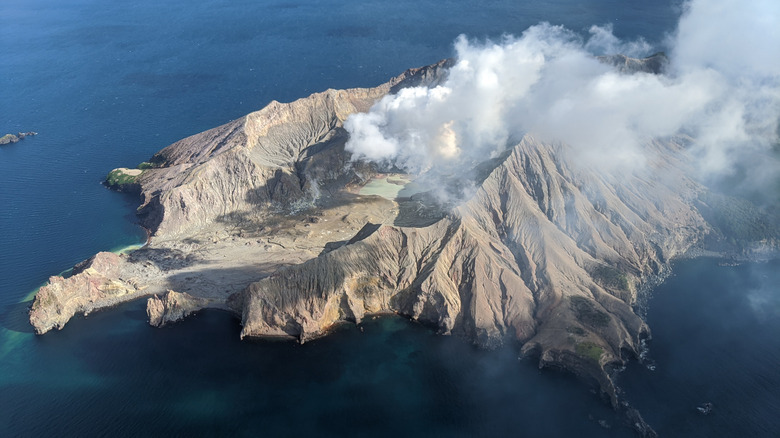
[219,261]
[212,264]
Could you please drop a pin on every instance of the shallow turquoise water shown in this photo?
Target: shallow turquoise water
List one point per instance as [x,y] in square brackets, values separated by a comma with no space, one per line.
[109,84]
[389,188]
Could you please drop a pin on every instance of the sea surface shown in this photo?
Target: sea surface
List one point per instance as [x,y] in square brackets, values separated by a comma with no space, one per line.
[107,84]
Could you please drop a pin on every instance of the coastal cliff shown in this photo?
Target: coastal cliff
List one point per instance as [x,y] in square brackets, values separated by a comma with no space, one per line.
[172,307]
[264,217]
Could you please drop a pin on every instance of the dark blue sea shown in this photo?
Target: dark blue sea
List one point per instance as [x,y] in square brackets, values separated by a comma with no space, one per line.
[107,84]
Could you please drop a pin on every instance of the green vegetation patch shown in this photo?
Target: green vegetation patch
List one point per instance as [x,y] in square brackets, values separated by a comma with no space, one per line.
[587,313]
[118,178]
[610,277]
[589,350]
[145,165]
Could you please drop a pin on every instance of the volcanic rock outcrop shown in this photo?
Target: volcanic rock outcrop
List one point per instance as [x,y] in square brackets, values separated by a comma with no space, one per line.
[172,307]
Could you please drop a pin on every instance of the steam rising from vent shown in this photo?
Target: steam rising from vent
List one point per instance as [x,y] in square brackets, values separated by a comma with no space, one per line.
[722,88]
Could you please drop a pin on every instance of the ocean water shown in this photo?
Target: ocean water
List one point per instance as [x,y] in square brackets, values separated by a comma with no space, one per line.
[107,84]
[715,340]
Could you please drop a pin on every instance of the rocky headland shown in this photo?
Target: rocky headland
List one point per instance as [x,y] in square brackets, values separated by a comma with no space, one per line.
[93,284]
[263,217]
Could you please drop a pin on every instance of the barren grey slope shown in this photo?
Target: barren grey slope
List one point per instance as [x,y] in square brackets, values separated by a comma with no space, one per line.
[545,253]
[269,156]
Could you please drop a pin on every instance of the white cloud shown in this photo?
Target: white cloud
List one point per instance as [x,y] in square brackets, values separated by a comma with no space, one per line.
[722,87]
[602,41]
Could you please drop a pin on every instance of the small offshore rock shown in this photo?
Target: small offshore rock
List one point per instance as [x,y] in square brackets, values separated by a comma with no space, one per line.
[705,409]
[638,423]
[8,139]
[11,138]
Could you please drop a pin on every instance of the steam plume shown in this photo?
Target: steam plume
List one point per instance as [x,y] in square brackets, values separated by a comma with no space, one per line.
[722,88]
